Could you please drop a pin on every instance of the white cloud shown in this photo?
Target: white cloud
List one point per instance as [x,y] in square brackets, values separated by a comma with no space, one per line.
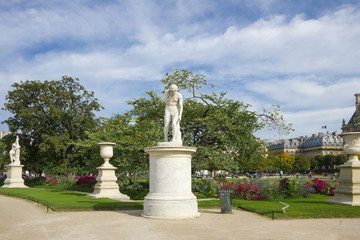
[308,66]
[306,92]
[310,122]
[326,45]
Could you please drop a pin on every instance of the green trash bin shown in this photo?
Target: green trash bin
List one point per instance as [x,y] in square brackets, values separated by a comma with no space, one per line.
[225,200]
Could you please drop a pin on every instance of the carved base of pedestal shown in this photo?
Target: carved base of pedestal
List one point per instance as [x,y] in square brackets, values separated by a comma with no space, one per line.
[106,186]
[345,199]
[14,177]
[348,191]
[170,206]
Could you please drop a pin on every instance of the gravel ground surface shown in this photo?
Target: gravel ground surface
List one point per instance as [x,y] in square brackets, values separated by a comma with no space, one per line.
[21,219]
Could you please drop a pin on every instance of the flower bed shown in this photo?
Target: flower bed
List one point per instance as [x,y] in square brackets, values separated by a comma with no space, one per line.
[245,191]
[320,186]
[90,180]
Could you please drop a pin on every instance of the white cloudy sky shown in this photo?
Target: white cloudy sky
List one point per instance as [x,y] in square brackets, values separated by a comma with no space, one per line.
[301,55]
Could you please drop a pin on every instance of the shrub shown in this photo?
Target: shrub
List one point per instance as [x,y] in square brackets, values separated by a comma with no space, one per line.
[35,181]
[137,186]
[284,185]
[293,189]
[268,189]
[322,187]
[64,180]
[244,191]
[89,180]
[52,181]
[317,185]
[204,188]
[130,184]
[331,191]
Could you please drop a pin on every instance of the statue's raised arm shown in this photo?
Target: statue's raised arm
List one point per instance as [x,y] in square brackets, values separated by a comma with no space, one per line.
[173,112]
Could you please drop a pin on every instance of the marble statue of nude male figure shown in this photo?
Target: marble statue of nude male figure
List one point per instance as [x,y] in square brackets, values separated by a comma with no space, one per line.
[173,112]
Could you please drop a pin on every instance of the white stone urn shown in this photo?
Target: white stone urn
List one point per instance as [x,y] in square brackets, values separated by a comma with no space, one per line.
[351,146]
[106,186]
[106,152]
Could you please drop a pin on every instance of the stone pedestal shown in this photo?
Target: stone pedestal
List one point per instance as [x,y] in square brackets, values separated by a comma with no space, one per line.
[170,193]
[106,186]
[348,191]
[14,177]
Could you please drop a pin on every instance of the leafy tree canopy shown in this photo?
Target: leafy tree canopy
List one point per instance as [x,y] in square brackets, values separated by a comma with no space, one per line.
[59,131]
[221,128]
[301,164]
[287,161]
[50,117]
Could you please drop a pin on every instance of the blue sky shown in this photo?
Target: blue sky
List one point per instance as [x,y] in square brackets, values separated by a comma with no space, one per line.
[301,55]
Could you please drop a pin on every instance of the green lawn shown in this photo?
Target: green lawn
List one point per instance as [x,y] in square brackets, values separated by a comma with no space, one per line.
[65,200]
[67,187]
[313,207]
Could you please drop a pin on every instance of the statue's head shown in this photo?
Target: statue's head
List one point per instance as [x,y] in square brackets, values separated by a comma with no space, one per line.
[173,88]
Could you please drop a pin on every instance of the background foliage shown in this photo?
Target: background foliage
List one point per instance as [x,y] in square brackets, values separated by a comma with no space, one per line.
[50,117]
[59,132]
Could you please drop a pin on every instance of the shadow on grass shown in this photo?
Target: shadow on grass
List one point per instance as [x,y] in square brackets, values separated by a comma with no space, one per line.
[72,193]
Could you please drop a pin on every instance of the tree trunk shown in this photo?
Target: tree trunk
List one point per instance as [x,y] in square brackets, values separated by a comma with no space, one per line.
[70,172]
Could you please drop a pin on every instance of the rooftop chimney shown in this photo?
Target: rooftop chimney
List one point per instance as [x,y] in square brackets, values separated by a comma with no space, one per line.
[357,102]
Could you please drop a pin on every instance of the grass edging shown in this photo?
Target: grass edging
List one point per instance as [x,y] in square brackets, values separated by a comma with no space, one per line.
[29,198]
[60,200]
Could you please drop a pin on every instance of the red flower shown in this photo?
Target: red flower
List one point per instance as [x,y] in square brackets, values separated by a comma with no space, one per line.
[86,180]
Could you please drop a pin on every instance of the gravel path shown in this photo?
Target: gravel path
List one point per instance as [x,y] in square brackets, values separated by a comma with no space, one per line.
[21,219]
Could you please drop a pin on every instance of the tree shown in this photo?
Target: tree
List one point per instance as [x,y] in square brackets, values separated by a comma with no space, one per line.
[329,161]
[268,163]
[317,162]
[287,161]
[340,159]
[3,156]
[186,80]
[50,117]
[301,163]
[222,129]
[130,137]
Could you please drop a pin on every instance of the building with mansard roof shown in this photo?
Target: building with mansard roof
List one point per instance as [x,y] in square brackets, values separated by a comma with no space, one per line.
[354,123]
[323,144]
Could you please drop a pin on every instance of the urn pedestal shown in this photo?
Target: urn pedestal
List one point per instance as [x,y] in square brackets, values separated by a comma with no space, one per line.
[106,186]
[348,191]
[170,195]
[14,177]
